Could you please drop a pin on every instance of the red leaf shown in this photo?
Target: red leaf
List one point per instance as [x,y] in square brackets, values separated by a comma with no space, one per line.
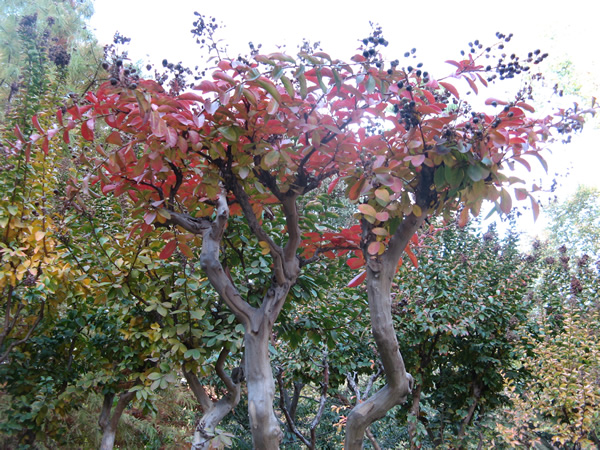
[472,84]
[489,101]
[36,124]
[191,96]
[187,251]
[332,185]
[114,138]
[411,256]
[355,263]
[455,64]
[87,134]
[450,88]
[374,248]
[168,249]
[74,111]
[149,217]
[45,146]
[535,206]
[521,194]
[415,239]
[526,106]
[358,279]
[354,191]
[19,134]
[171,137]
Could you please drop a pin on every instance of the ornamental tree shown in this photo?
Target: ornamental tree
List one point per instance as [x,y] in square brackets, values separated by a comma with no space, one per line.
[257,135]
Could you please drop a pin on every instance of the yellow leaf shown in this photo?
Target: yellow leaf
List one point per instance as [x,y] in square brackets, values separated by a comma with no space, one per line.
[39,235]
[367,210]
[265,247]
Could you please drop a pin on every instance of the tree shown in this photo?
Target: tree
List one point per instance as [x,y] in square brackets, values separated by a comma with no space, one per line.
[575,222]
[462,313]
[36,66]
[263,134]
[559,404]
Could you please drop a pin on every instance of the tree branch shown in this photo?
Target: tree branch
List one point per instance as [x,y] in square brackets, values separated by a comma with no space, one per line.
[198,390]
[209,261]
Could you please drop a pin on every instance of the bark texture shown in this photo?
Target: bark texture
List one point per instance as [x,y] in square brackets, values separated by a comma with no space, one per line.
[213,412]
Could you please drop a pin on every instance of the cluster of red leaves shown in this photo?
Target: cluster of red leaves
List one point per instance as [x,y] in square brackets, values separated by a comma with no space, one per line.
[282,124]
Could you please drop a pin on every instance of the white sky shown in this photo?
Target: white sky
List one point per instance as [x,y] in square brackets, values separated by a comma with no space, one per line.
[438,29]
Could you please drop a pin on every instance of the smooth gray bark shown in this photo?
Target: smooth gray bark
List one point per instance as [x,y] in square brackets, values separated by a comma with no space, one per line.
[213,412]
[108,422]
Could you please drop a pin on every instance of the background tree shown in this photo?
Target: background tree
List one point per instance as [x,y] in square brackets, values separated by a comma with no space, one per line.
[575,222]
[462,315]
[559,404]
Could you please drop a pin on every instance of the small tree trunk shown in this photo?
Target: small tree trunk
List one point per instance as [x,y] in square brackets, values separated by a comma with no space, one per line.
[414,411]
[108,424]
[266,433]
[213,412]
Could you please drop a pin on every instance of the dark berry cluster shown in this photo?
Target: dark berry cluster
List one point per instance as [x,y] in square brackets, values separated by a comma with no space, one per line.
[204,29]
[371,43]
[408,114]
[59,56]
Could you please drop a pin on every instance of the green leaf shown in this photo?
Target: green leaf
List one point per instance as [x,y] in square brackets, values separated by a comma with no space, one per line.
[271,158]
[268,86]
[229,133]
[439,178]
[477,172]
[454,176]
[197,315]
[320,80]
[303,88]
[289,87]
[154,376]
[370,84]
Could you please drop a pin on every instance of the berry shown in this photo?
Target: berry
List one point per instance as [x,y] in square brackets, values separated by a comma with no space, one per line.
[114,81]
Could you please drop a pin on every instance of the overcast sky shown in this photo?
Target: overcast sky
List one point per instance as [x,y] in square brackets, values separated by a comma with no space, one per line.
[438,29]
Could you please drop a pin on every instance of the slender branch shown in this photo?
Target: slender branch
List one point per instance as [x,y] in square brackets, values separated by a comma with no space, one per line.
[209,260]
[257,229]
[191,224]
[177,185]
[219,368]
[198,390]
[286,413]
[322,401]
[13,344]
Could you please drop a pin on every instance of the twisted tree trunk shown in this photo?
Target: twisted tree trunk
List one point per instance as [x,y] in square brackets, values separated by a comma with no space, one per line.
[213,412]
